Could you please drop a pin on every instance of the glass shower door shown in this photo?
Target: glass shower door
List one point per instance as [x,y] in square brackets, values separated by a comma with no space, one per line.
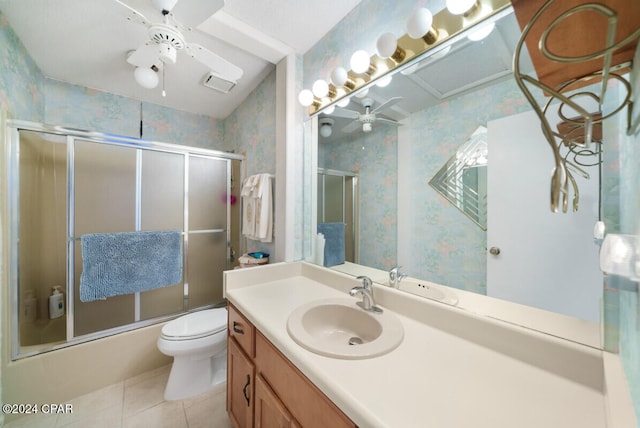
[104,177]
[208,232]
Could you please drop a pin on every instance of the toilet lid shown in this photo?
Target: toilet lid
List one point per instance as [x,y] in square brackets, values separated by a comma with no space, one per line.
[197,324]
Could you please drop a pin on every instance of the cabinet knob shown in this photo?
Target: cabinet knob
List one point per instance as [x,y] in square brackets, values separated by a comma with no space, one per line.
[494,251]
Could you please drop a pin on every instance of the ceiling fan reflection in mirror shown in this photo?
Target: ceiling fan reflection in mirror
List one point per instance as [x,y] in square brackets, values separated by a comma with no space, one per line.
[166,39]
[366,119]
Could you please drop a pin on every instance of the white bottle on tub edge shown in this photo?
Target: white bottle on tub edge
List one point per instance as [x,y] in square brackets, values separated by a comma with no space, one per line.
[56,303]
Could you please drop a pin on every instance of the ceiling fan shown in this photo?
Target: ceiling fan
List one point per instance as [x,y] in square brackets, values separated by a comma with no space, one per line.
[166,38]
[369,117]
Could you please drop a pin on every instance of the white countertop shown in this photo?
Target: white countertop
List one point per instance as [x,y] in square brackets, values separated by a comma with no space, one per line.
[453,369]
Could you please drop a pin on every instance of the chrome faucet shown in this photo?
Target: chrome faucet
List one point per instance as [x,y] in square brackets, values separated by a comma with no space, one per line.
[395,276]
[368,303]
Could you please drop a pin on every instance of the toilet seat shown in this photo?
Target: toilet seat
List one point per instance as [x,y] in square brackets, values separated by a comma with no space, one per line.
[196,325]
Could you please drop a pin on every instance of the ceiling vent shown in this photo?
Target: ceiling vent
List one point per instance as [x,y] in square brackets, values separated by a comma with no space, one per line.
[214,81]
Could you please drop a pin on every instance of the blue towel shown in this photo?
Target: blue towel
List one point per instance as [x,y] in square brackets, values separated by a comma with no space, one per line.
[129,262]
[333,243]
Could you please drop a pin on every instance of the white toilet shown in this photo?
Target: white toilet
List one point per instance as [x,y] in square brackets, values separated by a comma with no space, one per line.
[198,344]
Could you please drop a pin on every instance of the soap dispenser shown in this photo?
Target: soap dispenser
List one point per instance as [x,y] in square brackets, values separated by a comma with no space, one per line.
[56,302]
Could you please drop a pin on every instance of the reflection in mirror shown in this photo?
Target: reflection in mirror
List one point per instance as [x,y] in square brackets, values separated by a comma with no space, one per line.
[338,203]
[462,180]
[438,103]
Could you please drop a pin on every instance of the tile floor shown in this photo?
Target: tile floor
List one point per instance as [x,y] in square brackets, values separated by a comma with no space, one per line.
[136,402]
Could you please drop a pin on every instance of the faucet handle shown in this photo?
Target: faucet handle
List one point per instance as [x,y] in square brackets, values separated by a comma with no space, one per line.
[366,281]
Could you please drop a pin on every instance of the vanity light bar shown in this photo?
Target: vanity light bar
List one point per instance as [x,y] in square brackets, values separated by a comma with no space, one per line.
[445,29]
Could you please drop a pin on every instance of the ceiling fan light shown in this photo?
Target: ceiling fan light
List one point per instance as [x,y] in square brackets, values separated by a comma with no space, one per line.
[146,77]
[320,88]
[305,97]
[164,4]
[360,61]
[326,127]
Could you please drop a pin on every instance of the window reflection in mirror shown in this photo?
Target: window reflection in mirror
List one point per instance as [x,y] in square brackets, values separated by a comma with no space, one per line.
[462,180]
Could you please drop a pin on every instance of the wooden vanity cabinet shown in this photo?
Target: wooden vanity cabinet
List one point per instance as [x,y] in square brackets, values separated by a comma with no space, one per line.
[265,390]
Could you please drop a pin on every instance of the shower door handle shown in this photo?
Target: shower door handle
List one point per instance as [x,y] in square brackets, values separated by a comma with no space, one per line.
[244,390]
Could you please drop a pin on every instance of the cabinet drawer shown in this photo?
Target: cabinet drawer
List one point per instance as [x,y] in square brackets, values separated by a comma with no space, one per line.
[242,330]
[306,403]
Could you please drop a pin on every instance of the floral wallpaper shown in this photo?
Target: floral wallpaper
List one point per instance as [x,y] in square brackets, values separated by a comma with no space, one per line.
[105,112]
[21,88]
[251,131]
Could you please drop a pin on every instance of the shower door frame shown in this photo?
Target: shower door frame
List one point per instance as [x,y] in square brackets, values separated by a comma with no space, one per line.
[12,133]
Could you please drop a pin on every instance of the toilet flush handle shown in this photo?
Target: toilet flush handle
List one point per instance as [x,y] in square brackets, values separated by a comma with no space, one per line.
[237,327]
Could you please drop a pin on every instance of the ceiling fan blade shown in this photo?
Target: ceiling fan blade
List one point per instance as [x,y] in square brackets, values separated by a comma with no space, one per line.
[351,127]
[133,15]
[346,113]
[214,62]
[390,121]
[387,104]
[145,56]
[194,12]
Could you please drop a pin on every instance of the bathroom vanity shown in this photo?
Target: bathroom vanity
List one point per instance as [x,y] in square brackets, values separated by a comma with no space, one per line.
[452,368]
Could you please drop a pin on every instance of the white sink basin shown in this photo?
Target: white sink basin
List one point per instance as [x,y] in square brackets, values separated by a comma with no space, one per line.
[338,328]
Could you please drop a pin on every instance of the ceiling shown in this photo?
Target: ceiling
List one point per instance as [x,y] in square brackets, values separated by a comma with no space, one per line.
[86,43]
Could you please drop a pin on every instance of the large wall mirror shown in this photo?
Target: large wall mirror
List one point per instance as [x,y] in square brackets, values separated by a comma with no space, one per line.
[527,254]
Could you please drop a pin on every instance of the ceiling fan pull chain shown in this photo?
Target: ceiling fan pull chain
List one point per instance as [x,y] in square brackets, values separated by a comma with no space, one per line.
[164,93]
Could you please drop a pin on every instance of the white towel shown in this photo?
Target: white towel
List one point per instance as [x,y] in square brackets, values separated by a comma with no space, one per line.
[249,206]
[257,221]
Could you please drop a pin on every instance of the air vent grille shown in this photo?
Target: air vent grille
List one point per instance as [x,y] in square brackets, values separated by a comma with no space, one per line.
[214,81]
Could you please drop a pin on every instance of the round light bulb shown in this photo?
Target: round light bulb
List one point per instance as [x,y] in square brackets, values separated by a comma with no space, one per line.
[482,32]
[384,81]
[459,7]
[146,77]
[343,102]
[320,88]
[305,97]
[326,130]
[363,93]
[360,61]
[339,76]
[329,109]
[386,45]
[419,23]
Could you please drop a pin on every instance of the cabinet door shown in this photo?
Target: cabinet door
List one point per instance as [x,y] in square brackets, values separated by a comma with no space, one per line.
[269,410]
[240,386]
[306,403]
